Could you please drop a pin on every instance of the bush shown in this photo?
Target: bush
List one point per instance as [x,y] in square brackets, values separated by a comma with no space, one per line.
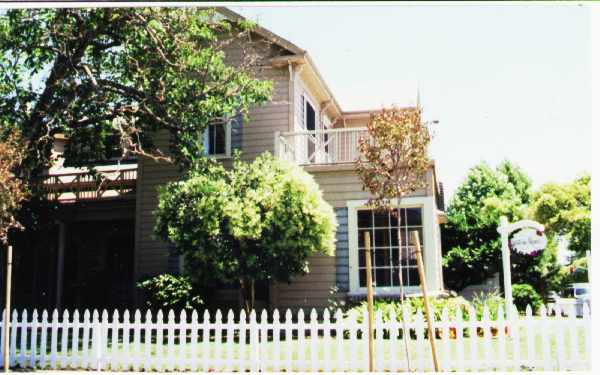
[523,295]
[390,307]
[170,292]
[492,300]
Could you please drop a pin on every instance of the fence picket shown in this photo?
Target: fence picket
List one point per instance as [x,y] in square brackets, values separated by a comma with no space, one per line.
[23,342]
[364,348]
[559,336]
[515,333]
[254,343]
[460,350]
[339,339]
[501,332]
[314,360]
[276,346]
[545,329]
[243,358]
[301,344]
[586,333]
[378,344]
[353,362]
[422,361]
[103,341]
[473,335]
[447,363]
[327,356]
[64,335]
[43,339]
[229,354]
[147,362]
[33,341]
[115,357]
[263,340]
[218,340]
[85,353]
[137,321]
[160,350]
[170,341]
[288,340]
[205,341]
[53,339]
[194,342]
[75,354]
[393,359]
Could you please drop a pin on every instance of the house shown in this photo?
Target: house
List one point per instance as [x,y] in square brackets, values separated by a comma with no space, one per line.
[103,241]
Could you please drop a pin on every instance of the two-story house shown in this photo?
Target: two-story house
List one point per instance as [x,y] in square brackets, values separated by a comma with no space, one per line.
[104,240]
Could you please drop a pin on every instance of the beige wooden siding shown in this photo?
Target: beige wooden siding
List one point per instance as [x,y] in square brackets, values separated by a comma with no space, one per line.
[341,185]
[311,290]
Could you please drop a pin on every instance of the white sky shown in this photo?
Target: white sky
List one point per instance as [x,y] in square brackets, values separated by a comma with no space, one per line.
[505,81]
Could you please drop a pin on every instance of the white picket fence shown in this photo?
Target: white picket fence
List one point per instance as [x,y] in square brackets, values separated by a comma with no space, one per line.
[95,341]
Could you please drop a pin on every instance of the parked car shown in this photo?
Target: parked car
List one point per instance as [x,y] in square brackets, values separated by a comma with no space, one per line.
[576,295]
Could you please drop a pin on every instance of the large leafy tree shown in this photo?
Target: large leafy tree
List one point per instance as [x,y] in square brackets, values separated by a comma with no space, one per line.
[566,210]
[471,244]
[109,78]
[258,221]
[12,191]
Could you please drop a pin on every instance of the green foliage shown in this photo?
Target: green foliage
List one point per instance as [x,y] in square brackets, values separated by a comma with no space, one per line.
[393,307]
[566,210]
[470,240]
[575,272]
[524,295]
[492,300]
[170,292]
[256,221]
[110,78]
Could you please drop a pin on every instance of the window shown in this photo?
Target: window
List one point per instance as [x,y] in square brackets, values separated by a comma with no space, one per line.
[382,227]
[217,139]
[309,115]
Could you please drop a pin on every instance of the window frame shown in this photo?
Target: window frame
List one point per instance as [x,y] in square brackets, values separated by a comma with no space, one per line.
[425,203]
[227,153]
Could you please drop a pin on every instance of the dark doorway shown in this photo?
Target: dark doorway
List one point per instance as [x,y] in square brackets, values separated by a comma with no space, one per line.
[98,265]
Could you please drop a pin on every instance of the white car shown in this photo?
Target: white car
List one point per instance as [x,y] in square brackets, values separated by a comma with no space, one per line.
[575,296]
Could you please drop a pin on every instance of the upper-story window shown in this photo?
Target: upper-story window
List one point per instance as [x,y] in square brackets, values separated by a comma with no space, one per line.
[217,139]
[309,115]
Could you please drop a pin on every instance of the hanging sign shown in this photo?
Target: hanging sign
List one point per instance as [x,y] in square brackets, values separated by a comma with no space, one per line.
[528,241]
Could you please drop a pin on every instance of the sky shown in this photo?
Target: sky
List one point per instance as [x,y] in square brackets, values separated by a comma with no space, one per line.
[504,81]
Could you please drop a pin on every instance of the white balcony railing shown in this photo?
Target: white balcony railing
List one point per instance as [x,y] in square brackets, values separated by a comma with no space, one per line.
[331,146]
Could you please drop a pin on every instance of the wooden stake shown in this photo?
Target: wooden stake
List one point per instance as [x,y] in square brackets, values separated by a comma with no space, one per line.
[7,309]
[416,242]
[369,298]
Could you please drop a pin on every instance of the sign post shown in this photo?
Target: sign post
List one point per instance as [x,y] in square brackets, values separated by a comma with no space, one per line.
[530,240]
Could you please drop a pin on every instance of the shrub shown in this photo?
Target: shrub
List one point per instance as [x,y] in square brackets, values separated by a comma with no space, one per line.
[523,295]
[170,292]
[389,307]
[492,300]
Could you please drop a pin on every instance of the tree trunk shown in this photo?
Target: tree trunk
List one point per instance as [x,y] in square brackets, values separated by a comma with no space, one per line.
[247,293]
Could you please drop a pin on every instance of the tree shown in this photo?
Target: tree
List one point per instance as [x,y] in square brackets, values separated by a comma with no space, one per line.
[471,244]
[12,191]
[109,78]
[258,221]
[566,210]
[393,164]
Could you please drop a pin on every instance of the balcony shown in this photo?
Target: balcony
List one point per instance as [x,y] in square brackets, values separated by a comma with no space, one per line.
[319,147]
[108,183]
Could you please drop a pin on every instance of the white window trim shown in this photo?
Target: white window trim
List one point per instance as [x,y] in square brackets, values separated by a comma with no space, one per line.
[227,154]
[426,204]
[308,99]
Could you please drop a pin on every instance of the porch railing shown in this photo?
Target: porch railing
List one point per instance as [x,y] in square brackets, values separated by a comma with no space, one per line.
[82,185]
[331,146]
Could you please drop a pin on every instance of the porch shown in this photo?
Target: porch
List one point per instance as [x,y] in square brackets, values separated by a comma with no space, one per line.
[320,147]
